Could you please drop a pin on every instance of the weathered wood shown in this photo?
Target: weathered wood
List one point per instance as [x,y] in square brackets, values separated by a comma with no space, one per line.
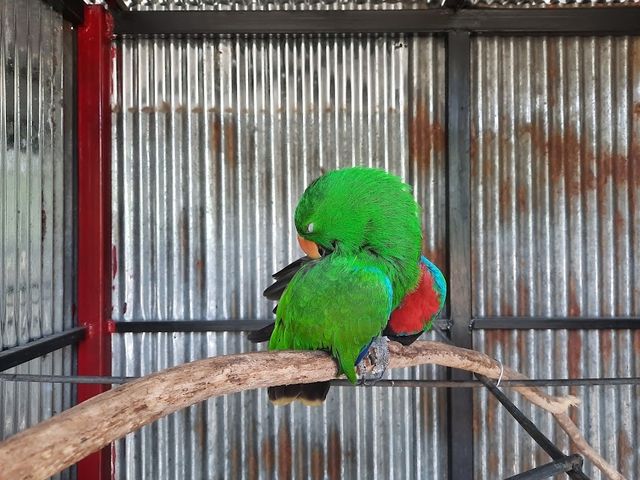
[61,441]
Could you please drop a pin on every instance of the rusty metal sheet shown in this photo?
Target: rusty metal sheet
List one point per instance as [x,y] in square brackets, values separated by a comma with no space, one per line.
[556,228]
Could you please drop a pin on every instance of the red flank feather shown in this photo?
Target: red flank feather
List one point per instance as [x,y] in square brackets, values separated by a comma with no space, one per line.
[417,308]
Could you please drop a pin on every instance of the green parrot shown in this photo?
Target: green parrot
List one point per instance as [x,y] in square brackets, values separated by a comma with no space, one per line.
[360,228]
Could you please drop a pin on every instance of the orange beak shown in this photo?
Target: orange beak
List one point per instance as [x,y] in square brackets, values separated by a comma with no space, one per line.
[309,247]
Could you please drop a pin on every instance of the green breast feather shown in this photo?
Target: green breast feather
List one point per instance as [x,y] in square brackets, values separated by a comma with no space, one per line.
[336,304]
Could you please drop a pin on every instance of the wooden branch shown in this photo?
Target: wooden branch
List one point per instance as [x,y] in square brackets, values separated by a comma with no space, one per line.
[61,441]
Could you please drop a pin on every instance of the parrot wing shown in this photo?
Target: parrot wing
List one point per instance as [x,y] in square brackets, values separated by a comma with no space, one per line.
[335,304]
[274,292]
[407,322]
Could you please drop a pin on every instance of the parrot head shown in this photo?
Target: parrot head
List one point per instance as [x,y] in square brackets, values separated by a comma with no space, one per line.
[363,212]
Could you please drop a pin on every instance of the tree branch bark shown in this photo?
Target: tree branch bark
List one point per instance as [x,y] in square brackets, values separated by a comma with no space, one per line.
[61,441]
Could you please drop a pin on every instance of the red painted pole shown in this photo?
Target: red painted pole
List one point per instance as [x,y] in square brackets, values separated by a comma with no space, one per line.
[94,213]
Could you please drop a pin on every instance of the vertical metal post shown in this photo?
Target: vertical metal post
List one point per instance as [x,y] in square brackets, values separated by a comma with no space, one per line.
[94,213]
[460,402]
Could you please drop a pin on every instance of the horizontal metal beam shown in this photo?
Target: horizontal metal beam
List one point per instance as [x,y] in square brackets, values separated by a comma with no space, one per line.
[500,323]
[506,21]
[556,323]
[37,348]
[71,10]
[140,326]
[188,326]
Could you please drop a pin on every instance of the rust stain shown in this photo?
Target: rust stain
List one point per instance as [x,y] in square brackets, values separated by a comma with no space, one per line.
[523,345]
[214,137]
[636,109]
[625,448]
[230,145]
[317,463]
[506,308]
[426,138]
[488,166]
[491,412]
[199,265]
[284,452]
[504,196]
[605,346]
[147,109]
[634,163]
[620,172]
[181,109]
[252,466]
[524,296]
[199,429]
[234,460]
[522,198]
[492,463]
[536,133]
[575,355]
[267,454]
[473,150]
[334,455]
[164,107]
[197,109]
[252,453]
[490,340]
[574,304]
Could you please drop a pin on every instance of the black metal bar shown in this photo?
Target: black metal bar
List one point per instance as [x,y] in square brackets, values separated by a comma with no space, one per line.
[540,438]
[23,353]
[508,21]
[550,469]
[460,411]
[71,10]
[520,323]
[189,326]
[203,325]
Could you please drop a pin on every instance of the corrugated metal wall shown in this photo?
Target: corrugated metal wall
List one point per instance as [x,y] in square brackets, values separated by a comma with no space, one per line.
[214,141]
[36,203]
[556,230]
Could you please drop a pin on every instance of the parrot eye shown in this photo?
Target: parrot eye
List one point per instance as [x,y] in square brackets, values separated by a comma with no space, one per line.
[310,228]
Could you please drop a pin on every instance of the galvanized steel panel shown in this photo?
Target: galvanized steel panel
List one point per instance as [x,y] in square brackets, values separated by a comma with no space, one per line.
[36,202]
[214,141]
[556,226]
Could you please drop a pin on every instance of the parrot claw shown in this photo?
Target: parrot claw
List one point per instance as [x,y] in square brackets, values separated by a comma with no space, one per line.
[372,367]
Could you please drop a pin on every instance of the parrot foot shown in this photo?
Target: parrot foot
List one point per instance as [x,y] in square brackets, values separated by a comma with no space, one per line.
[372,367]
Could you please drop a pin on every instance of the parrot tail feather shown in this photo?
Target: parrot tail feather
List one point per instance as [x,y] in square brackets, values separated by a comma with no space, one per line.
[310,394]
